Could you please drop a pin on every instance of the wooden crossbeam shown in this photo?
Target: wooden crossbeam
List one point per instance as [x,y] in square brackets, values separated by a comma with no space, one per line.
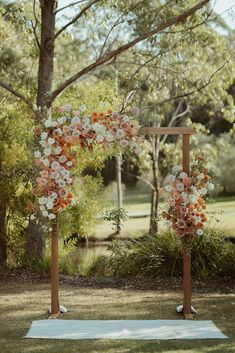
[168,130]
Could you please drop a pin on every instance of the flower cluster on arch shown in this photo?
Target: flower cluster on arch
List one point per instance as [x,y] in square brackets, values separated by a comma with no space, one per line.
[186,208]
[55,158]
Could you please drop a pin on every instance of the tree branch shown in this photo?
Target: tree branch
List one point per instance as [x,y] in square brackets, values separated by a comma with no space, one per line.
[74,19]
[34,26]
[123,48]
[188,93]
[175,116]
[70,5]
[16,93]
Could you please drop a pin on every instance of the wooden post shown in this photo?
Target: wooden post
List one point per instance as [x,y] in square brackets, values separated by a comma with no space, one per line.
[55,309]
[187,242]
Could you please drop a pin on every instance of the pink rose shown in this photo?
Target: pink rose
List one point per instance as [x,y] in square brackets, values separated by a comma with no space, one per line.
[175,195]
[171,202]
[187,181]
[181,224]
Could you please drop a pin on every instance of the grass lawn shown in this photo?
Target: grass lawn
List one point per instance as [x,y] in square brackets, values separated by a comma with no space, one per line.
[138,201]
[22,302]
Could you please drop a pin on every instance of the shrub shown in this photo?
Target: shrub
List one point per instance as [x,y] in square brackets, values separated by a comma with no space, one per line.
[212,256]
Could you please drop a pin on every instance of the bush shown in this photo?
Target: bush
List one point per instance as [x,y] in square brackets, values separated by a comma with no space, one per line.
[212,256]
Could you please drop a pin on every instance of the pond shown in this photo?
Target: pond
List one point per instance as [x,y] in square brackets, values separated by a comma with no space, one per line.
[87,254]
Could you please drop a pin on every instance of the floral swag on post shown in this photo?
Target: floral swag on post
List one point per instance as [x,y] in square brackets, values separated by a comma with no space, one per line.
[56,157]
[186,209]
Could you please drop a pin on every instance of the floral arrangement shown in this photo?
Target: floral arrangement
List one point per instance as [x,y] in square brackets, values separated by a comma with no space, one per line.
[186,209]
[56,158]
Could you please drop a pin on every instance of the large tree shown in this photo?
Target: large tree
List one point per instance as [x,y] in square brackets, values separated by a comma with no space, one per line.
[118,37]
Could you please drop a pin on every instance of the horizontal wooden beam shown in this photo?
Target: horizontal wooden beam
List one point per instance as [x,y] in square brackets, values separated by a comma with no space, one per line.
[168,130]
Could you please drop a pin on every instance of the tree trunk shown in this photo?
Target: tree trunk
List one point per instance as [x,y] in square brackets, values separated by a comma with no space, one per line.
[36,238]
[3,237]
[3,231]
[45,67]
[153,229]
[154,209]
[119,188]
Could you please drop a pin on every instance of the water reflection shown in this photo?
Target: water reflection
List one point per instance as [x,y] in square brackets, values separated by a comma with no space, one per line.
[87,254]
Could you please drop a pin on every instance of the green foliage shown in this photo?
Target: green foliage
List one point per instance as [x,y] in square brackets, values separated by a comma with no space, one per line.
[82,218]
[17,164]
[212,256]
[117,216]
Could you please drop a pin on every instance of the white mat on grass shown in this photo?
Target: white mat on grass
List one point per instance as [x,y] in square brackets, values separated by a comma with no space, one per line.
[124,329]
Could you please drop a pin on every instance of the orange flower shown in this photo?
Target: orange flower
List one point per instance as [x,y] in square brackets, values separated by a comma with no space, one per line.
[101,115]
[200,158]
[109,111]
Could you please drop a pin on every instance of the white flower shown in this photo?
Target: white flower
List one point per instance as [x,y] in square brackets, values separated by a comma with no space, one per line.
[124,143]
[96,126]
[138,150]
[47,151]
[61,184]
[76,133]
[48,123]
[51,216]
[57,150]
[126,118]
[199,232]
[69,180]
[170,178]
[32,217]
[62,120]
[65,173]
[62,159]
[45,213]
[42,200]
[89,141]
[55,165]
[54,195]
[44,135]
[53,123]
[183,175]
[180,187]
[211,186]
[109,138]
[120,134]
[55,175]
[75,121]
[192,199]
[82,108]
[46,162]
[51,141]
[67,107]
[176,169]
[43,143]
[37,154]
[203,191]
[168,188]
[42,208]
[99,138]
[49,205]
[200,176]
[69,163]
[58,131]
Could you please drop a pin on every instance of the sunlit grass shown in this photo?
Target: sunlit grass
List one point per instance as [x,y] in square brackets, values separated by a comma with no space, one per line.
[23,303]
[138,201]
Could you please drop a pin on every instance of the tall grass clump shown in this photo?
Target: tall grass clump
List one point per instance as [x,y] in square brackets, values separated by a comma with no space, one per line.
[212,256]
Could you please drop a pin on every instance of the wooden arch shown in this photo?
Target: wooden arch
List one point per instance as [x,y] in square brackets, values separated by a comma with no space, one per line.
[186,132]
